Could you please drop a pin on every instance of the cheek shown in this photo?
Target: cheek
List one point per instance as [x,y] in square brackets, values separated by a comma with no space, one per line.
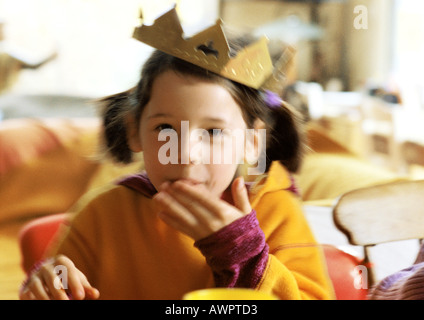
[221,177]
[150,154]
[230,149]
[156,171]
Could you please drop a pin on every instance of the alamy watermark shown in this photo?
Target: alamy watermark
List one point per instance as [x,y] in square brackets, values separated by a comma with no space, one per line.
[214,146]
[361,19]
[61,279]
[360,277]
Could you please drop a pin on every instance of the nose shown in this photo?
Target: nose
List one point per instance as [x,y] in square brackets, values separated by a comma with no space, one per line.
[194,148]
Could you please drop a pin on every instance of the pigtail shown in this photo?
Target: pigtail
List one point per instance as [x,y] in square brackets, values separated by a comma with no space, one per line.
[286,139]
[114,110]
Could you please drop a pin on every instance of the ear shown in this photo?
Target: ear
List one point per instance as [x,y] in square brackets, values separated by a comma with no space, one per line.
[133,137]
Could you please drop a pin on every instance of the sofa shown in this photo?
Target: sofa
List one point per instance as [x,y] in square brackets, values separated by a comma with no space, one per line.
[47,164]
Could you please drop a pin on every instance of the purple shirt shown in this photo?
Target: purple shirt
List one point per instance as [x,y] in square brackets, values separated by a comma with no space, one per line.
[406,284]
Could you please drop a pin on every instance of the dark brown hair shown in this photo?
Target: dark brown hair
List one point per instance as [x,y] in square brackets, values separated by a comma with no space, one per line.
[283,124]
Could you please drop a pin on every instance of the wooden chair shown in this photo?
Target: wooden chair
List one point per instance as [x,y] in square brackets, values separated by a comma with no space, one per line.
[380,214]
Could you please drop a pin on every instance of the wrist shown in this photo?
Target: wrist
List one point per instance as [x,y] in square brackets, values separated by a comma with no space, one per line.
[237,254]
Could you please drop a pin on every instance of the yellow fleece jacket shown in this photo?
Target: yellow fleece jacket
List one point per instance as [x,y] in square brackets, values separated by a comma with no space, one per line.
[127,252]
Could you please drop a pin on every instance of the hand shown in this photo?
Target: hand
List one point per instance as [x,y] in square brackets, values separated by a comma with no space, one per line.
[44,283]
[193,210]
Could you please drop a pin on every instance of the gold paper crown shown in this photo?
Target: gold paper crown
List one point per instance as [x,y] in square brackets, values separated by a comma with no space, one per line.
[209,49]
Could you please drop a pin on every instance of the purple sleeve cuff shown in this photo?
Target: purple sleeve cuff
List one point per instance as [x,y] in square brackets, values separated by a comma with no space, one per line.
[406,284]
[237,254]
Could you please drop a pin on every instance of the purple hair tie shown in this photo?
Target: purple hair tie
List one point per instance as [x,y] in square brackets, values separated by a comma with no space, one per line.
[272,100]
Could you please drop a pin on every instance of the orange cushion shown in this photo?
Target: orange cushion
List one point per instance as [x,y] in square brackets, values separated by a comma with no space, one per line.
[45,165]
[36,236]
[24,139]
[342,269]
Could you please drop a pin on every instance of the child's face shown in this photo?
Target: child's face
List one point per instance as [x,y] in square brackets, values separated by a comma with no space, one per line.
[180,102]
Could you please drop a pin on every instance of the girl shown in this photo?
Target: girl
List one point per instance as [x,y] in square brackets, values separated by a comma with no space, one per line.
[195,224]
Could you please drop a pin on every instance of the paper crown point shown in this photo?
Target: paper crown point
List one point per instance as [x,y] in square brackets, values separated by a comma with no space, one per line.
[209,49]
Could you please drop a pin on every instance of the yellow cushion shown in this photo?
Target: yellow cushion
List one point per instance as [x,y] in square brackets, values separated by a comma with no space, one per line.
[329,170]
[328,175]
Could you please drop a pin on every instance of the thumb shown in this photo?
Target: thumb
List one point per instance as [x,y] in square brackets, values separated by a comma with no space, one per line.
[240,195]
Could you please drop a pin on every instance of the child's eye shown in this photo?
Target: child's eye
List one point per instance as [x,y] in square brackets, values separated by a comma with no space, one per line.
[215,132]
[164,126]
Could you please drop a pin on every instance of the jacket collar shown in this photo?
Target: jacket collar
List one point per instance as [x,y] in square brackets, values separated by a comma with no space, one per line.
[277,178]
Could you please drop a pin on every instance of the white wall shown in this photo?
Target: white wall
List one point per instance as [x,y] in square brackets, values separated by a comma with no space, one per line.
[368,55]
[96,54]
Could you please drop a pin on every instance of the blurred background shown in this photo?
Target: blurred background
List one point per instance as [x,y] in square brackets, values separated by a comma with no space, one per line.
[357,69]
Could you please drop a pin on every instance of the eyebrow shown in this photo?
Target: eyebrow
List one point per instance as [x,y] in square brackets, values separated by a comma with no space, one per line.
[215,119]
[165,115]
[159,115]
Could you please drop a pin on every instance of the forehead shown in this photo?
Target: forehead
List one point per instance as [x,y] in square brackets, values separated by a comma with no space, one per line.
[178,93]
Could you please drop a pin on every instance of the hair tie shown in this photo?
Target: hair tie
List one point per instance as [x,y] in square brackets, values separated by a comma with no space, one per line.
[272,100]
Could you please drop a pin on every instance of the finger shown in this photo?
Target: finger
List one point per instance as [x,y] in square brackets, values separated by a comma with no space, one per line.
[90,291]
[211,213]
[39,284]
[24,292]
[78,286]
[240,195]
[52,283]
[170,206]
[75,288]
[198,195]
[36,289]
[191,206]
[26,295]
[175,222]
[173,213]
[164,186]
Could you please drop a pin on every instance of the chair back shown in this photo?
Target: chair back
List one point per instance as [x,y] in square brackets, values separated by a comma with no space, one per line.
[380,214]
